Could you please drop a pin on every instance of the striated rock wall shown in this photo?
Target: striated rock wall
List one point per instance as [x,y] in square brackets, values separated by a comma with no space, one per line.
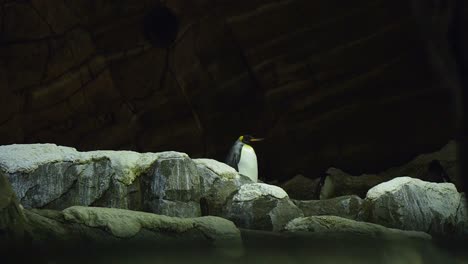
[339,84]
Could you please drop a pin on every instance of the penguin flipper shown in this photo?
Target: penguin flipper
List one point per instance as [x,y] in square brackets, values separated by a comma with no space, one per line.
[233,157]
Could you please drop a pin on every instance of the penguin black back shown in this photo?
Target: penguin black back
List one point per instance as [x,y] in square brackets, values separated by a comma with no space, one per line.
[436,173]
[234,154]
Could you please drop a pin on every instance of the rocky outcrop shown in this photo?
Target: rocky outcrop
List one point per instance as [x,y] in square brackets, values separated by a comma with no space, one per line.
[343,206]
[168,183]
[47,176]
[261,206]
[334,226]
[56,177]
[412,204]
[171,183]
[118,226]
[339,183]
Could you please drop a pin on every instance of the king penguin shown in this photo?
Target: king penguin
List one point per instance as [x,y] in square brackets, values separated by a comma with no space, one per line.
[242,157]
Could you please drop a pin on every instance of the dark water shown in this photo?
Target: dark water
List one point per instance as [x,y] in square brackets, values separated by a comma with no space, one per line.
[259,247]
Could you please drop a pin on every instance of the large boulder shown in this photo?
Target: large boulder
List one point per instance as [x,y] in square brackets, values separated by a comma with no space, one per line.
[412,204]
[172,186]
[111,226]
[218,182]
[343,206]
[331,226]
[45,175]
[57,177]
[261,206]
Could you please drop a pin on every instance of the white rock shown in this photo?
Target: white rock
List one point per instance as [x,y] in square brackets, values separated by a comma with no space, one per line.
[221,169]
[412,204]
[57,177]
[253,191]
[27,157]
[395,185]
[261,206]
[128,164]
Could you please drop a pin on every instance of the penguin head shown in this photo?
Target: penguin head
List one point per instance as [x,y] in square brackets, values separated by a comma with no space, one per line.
[247,139]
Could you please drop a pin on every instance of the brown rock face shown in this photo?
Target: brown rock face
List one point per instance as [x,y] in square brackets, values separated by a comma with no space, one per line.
[328,83]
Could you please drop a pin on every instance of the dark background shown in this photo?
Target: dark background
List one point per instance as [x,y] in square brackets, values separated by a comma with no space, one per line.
[327,82]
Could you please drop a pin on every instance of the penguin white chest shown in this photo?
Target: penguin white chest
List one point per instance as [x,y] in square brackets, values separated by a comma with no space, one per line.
[248,163]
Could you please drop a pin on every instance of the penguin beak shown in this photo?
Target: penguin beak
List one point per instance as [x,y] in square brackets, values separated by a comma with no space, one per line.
[256,139]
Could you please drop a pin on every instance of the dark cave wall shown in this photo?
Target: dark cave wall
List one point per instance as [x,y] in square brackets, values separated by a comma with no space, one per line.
[329,83]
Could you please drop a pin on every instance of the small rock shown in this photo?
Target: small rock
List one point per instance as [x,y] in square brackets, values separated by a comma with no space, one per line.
[343,206]
[261,206]
[338,226]
[253,191]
